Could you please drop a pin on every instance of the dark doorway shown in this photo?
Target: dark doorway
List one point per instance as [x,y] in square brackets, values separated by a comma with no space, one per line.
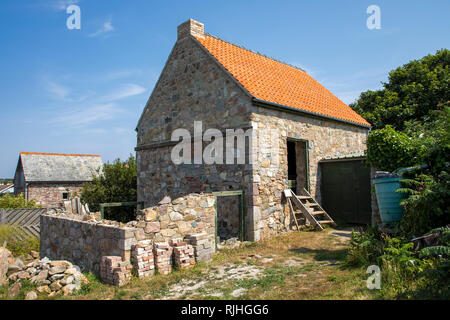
[230,215]
[297,154]
[345,189]
[228,209]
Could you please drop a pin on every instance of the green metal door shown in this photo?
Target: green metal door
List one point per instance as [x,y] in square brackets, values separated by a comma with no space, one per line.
[345,190]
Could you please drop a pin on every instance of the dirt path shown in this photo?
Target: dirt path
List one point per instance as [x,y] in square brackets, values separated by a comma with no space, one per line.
[290,266]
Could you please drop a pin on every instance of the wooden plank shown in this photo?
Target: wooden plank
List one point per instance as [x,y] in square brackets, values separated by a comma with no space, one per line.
[24,221]
[119,204]
[293,212]
[227,193]
[287,193]
[326,221]
[327,216]
[306,212]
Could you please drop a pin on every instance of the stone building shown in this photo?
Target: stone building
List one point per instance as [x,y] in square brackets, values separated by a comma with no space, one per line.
[291,123]
[51,178]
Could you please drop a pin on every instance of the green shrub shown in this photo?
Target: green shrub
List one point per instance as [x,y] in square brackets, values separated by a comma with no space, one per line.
[9,201]
[405,272]
[365,247]
[116,183]
[389,150]
[16,245]
[427,205]
[438,251]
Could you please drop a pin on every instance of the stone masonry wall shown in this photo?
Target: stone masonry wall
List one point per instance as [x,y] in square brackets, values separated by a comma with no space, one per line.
[192,88]
[270,214]
[51,194]
[83,242]
[172,219]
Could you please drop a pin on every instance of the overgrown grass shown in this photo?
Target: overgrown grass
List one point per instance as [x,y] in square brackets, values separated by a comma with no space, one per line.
[16,245]
[405,273]
[304,265]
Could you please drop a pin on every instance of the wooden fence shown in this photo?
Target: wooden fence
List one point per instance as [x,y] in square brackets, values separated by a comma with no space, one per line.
[25,221]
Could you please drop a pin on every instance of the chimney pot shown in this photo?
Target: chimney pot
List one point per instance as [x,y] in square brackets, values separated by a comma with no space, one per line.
[191,28]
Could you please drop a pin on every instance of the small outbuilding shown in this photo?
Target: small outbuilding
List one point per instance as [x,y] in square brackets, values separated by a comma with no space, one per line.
[50,178]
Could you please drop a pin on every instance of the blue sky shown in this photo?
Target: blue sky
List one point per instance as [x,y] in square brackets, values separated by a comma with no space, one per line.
[82,91]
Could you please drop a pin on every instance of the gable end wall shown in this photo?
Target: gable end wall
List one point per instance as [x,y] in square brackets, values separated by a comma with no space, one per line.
[192,87]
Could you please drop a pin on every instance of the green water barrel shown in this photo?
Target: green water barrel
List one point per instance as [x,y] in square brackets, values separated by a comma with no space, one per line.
[388,200]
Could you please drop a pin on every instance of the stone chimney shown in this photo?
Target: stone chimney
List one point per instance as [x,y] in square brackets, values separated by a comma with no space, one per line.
[191,28]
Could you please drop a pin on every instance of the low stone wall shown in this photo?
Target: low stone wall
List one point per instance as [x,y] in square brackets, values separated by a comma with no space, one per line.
[171,219]
[84,243]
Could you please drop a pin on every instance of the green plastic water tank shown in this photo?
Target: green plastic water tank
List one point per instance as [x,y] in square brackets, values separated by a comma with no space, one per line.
[388,200]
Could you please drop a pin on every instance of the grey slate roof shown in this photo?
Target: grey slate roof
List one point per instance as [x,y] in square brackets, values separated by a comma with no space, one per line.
[48,167]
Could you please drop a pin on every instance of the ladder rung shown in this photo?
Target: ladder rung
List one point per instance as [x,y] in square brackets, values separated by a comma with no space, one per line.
[315,213]
[304,197]
[312,204]
[325,221]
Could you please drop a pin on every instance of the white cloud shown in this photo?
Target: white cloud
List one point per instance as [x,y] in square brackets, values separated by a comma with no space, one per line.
[126,90]
[119,74]
[106,27]
[57,90]
[80,117]
[63,4]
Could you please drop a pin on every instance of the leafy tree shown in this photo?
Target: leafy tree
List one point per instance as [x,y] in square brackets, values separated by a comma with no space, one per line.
[413,91]
[389,149]
[9,201]
[116,182]
[425,142]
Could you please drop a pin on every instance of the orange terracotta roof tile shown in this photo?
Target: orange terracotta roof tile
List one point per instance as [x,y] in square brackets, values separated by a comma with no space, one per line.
[276,82]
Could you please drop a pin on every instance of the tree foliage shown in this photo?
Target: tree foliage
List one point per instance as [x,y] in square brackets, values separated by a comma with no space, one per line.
[9,201]
[389,149]
[412,92]
[410,117]
[426,142]
[115,183]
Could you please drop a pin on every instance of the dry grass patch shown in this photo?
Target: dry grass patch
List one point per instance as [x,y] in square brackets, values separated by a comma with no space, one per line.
[296,265]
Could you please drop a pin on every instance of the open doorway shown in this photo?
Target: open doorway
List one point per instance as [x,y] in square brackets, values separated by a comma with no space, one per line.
[297,156]
[230,211]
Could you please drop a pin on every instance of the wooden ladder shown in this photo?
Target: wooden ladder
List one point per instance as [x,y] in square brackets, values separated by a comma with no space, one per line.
[309,208]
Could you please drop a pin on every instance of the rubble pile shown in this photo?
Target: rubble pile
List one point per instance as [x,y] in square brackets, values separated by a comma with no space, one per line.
[51,277]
